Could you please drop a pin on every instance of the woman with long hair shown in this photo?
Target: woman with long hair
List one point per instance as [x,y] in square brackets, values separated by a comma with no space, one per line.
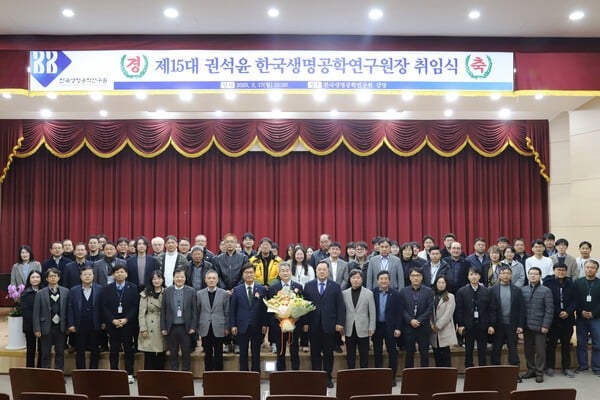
[150,339]
[408,260]
[27,299]
[442,323]
[302,272]
[24,265]
[289,252]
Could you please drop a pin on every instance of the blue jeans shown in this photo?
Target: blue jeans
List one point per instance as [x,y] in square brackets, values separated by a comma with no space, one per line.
[591,327]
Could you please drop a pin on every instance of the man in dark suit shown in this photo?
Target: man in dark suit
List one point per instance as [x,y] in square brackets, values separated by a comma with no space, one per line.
[507,316]
[104,267]
[50,319]
[285,283]
[56,260]
[472,316]
[435,267]
[388,326]
[459,268]
[416,306]
[327,319]
[120,302]
[85,317]
[248,317]
[72,271]
[141,265]
[179,320]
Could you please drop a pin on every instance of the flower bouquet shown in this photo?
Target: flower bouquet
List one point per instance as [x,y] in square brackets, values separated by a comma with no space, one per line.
[288,306]
[14,293]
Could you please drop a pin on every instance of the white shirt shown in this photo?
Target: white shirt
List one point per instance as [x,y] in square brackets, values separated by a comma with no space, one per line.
[170,260]
[434,270]
[580,264]
[545,264]
[302,277]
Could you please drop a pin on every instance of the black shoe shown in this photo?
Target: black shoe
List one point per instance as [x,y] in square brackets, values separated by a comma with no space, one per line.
[519,380]
[394,382]
[528,375]
[329,383]
[337,349]
[539,379]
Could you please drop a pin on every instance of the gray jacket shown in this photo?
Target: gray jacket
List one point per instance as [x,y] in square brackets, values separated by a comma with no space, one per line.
[42,312]
[539,307]
[216,315]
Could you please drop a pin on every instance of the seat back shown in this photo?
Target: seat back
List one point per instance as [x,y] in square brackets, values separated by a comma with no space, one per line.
[405,396]
[131,397]
[428,380]
[544,394]
[93,382]
[352,382]
[220,383]
[501,378]
[51,396]
[474,395]
[298,382]
[171,384]
[298,397]
[36,380]
[221,397]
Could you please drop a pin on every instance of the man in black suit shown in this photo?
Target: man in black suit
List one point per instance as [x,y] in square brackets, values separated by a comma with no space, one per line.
[327,319]
[416,306]
[141,265]
[285,283]
[120,302]
[72,271]
[85,317]
[56,260]
[248,317]
[472,316]
[459,268]
[388,325]
[507,316]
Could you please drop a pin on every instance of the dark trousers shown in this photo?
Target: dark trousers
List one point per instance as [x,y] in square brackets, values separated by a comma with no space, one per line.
[154,361]
[441,356]
[282,341]
[213,351]
[352,342]
[33,345]
[179,339]
[54,338]
[505,334]
[563,330]
[535,351]
[87,337]
[321,349]
[477,334]
[121,337]
[381,334]
[416,336]
[252,338]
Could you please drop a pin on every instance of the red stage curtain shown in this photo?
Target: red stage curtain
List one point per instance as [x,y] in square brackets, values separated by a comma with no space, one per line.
[291,199]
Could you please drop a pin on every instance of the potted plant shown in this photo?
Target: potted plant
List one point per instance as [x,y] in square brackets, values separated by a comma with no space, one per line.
[16,337]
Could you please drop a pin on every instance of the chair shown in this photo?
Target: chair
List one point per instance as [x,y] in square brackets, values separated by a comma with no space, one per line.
[352,382]
[51,396]
[36,380]
[93,382]
[223,397]
[298,382]
[4,396]
[544,394]
[218,383]
[171,384]
[405,396]
[428,380]
[474,395]
[299,397]
[501,378]
[131,397]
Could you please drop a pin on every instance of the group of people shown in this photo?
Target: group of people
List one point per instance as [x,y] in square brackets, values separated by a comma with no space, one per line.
[407,296]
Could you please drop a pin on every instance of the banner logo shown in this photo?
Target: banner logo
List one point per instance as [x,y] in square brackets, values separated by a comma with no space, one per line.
[134,66]
[46,66]
[478,66]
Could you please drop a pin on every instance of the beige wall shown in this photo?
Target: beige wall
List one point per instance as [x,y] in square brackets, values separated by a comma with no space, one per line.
[574,191]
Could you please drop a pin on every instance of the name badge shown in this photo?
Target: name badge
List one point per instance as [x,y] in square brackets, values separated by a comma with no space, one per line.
[179,313]
[588,298]
[476,314]
[120,309]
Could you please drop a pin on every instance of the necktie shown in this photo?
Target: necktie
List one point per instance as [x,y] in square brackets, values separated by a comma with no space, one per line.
[285,285]
[249,294]
[321,288]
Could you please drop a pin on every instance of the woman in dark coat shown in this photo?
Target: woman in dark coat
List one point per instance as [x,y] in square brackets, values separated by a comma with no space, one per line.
[34,283]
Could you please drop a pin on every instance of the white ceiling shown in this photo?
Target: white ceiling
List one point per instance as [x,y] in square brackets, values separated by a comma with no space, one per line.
[509,18]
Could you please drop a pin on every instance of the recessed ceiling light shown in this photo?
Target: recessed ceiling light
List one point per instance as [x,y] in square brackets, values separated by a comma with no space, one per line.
[230,95]
[275,95]
[273,12]
[576,15]
[474,14]
[452,97]
[51,96]
[504,113]
[495,96]
[364,96]
[141,95]
[6,95]
[408,96]
[46,113]
[375,14]
[185,96]
[539,96]
[320,95]
[96,96]
[103,113]
[448,113]
[67,12]
[171,13]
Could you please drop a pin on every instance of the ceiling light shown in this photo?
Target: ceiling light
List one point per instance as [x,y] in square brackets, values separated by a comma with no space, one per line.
[51,96]
[6,95]
[275,95]
[273,12]
[171,13]
[504,113]
[46,113]
[452,96]
[408,96]
[333,112]
[474,14]
[67,12]
[364,96]
[103,113]
[141,95]
[185,96]
[375,14]
[96,96]
[495,96]
[320,95]
[576,15]
[230,95]
[539,96]
[448,113]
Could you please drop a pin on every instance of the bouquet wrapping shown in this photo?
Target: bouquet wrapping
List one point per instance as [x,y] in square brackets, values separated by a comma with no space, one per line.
[288,306]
